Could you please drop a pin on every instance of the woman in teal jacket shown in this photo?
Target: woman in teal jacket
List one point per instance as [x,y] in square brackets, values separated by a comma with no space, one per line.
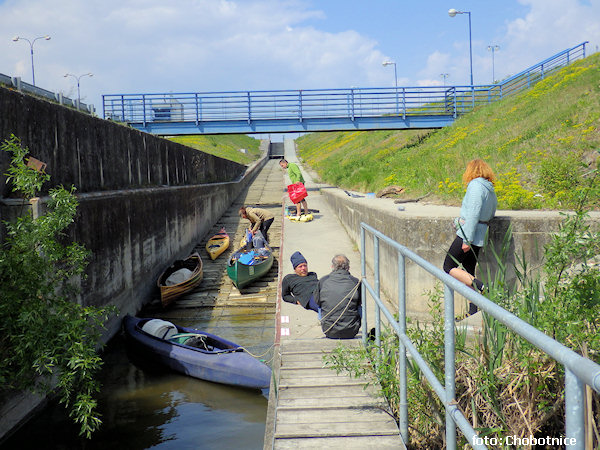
[478,208]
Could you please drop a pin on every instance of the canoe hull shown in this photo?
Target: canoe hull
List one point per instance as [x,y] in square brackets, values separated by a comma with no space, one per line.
[236,368]
[217,244]
[242,275]
[168,294]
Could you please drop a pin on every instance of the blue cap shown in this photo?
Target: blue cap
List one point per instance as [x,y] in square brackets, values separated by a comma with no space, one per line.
[297,259]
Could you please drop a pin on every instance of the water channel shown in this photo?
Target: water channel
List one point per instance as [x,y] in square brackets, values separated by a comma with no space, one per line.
[146,407]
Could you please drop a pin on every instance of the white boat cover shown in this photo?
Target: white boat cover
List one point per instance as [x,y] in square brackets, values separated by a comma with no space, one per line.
[160,328]
[179,276]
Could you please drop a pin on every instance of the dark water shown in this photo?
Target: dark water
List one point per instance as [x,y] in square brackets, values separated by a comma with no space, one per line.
[144,406]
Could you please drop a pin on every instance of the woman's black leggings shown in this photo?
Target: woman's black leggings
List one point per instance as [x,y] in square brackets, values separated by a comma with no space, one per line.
[456,256]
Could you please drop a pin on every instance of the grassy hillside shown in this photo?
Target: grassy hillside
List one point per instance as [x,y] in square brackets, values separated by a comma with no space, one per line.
[543,144]
[225,146]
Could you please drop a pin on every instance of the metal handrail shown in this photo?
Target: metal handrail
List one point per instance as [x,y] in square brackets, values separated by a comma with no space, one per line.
[579,371]
[300,105]
[21,86]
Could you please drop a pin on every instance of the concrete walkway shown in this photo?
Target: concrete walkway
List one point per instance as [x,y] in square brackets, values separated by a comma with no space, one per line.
[310,406]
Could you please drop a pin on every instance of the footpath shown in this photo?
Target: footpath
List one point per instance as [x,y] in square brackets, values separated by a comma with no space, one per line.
[310,406]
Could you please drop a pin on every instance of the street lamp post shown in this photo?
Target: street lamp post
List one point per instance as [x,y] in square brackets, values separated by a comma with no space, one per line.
[89,74]
[18,38]
[453,12]
[444,76]
[389,63]
[493,48]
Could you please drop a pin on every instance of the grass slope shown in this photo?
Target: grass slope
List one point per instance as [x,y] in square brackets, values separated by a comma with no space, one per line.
[543,145]
[225,146]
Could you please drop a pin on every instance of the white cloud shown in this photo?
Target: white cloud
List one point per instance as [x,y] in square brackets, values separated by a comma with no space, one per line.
[191,45]
[549,27]
[135,46]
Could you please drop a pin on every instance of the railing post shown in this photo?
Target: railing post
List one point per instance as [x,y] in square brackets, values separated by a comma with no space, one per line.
[363,288]
[300,105]
[377,287]
[574,411]
[449,360]
[197,110]
[403,407]
[352,105]
[144,108]
[249,109]
[403,103]
[455,104]
[123,108]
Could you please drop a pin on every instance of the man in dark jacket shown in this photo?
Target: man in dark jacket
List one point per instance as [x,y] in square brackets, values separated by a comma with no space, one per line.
[298,287]
[338,296]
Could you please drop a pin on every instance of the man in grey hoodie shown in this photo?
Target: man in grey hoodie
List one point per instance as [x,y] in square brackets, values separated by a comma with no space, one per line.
[338,295]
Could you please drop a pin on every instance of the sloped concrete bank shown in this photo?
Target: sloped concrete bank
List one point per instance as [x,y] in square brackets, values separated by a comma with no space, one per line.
[426,230]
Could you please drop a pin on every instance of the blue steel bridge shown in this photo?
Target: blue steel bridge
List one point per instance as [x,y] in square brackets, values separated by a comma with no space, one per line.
[283,111]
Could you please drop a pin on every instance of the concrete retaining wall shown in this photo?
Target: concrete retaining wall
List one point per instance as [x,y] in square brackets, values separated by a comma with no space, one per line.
[98,155]
[427,231]
[144,201]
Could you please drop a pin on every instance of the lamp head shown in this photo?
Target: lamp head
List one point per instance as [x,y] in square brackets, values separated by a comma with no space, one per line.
[452,12]
[47,37]
[387,63]
[16,38]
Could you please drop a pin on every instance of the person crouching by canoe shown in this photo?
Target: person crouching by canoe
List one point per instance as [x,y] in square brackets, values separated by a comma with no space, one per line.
[295,177]
[298,287]
[339,297]
[260,219]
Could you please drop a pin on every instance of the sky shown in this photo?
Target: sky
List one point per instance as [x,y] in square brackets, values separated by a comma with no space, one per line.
[158,46]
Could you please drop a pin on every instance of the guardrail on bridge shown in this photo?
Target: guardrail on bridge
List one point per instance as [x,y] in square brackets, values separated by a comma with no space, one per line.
[318,109]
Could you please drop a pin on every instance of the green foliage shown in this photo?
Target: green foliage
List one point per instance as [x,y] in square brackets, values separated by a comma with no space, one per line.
[46,338]
[27,181]
[540,143]
[224,146]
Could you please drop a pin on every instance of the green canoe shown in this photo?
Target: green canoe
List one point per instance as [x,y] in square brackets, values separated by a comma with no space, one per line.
[245,267]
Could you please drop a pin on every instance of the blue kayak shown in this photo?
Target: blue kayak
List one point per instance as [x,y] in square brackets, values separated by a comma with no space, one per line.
[195,353]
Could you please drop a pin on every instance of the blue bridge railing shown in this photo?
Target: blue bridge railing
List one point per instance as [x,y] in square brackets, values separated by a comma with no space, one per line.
[317,109]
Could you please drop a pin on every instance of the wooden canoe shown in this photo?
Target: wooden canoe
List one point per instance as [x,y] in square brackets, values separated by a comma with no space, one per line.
[168,293]
[217,244]
[242,274]
[194,353]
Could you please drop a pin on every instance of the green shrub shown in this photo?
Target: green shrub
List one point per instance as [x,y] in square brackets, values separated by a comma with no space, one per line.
[47,340]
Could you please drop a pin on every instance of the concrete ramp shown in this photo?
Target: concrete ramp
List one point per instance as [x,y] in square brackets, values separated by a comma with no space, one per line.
[310,405]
